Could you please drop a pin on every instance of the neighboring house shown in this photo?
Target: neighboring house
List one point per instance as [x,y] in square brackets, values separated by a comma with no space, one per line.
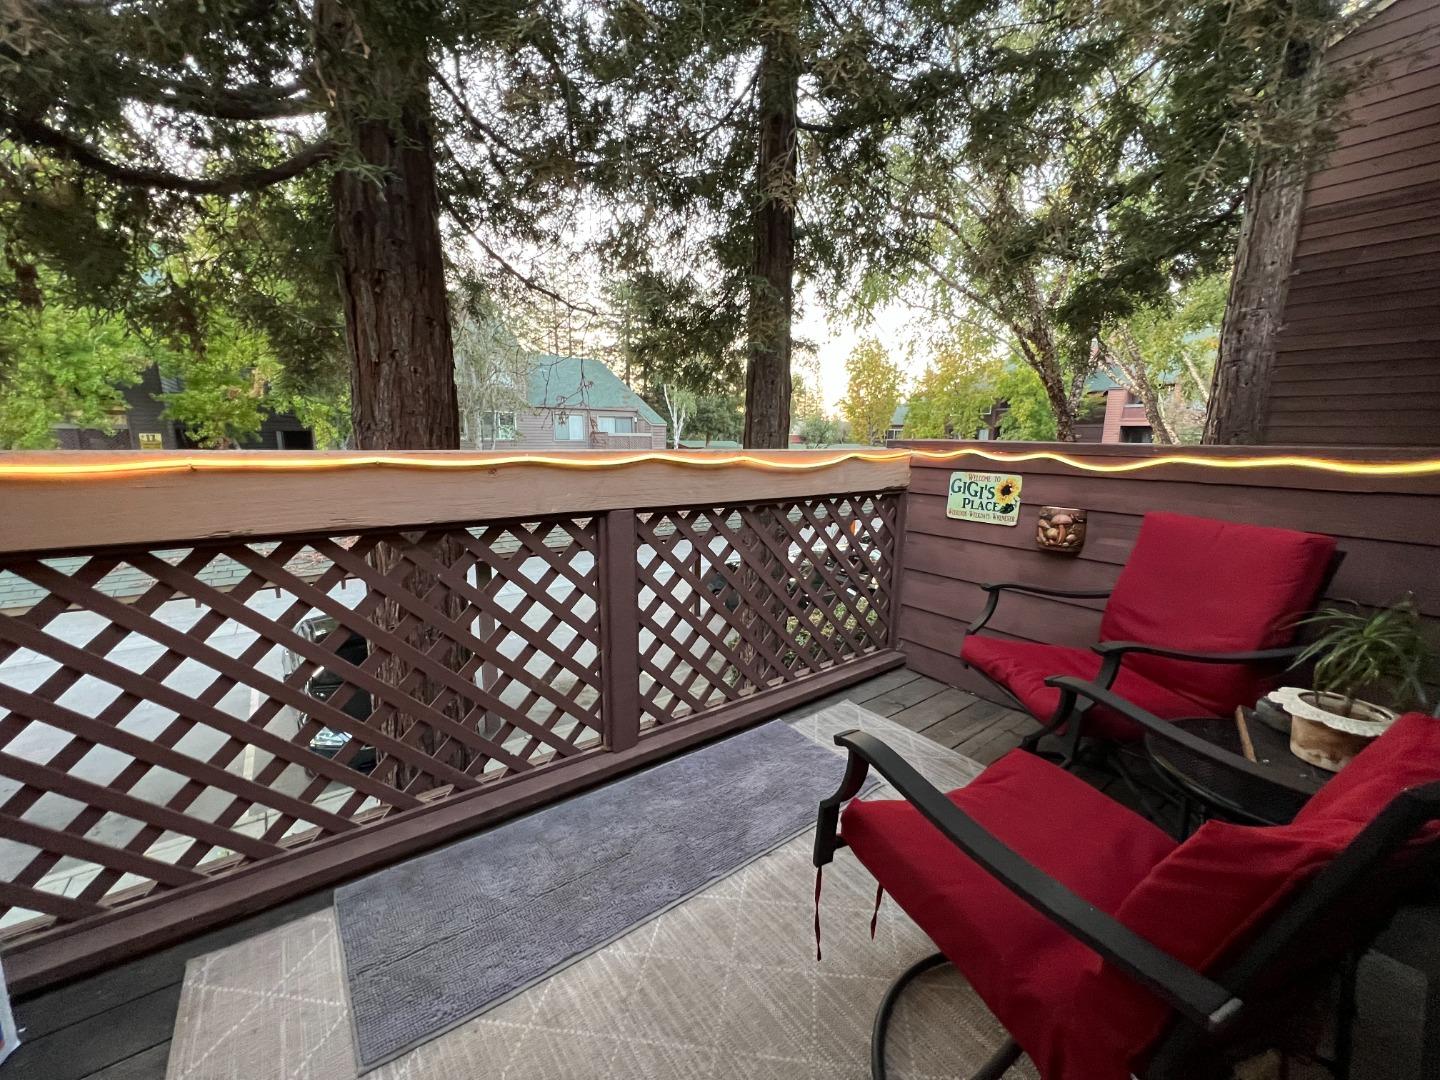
[141,425]
[897,422]
[572,403]
[1120,413]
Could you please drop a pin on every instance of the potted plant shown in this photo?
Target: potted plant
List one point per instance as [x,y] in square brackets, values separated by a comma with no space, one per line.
[1356,652]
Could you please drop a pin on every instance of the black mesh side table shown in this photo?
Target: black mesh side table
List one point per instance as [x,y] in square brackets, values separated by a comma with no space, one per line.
[1271,795]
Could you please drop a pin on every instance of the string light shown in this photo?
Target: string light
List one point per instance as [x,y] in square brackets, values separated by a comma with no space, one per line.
[1427,467]
[149,464]
[450,462]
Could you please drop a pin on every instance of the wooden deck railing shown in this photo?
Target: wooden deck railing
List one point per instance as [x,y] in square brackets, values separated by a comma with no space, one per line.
[221,689]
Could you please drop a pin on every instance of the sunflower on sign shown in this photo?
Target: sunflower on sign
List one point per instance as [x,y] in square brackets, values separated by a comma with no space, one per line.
[1006,494]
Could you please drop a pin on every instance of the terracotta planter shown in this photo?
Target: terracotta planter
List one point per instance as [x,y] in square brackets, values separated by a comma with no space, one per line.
[1321,734]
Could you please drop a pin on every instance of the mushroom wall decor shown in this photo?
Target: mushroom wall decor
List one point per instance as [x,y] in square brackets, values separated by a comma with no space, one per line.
[1060,529]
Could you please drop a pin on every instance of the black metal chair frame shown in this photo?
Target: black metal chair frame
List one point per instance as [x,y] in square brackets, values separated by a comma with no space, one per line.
[1070,715]
[1214,1015]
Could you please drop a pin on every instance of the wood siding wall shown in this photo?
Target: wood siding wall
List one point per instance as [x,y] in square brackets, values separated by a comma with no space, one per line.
[1358,355]
[1389,529]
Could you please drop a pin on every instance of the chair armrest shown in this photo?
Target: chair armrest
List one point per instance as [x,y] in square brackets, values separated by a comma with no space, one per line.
[1070,686]
[1108,649]
[997,587]
[1045,590]
[1197,997]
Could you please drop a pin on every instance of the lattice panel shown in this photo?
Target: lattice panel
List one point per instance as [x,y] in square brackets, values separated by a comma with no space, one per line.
[735,600]
[169,714]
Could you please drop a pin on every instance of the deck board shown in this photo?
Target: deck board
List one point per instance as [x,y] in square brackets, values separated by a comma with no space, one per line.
[117,1025]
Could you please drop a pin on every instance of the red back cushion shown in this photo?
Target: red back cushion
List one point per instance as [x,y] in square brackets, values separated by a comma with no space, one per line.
[1214,586]
[1214,891]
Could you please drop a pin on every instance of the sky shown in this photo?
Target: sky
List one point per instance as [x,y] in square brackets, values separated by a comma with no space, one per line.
[895,326]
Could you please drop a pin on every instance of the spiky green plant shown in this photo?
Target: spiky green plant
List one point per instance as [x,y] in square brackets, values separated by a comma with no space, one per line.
[1357,649]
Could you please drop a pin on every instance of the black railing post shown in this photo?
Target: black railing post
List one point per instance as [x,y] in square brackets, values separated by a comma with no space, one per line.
[619,631]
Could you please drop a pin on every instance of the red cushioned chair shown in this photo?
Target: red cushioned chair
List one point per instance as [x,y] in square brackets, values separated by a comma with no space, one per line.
[1201,619]
[1105,947]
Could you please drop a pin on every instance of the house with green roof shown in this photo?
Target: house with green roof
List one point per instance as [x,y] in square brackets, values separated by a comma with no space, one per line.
[571,403]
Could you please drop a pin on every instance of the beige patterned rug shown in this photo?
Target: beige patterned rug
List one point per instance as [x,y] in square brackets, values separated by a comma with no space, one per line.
[723,986]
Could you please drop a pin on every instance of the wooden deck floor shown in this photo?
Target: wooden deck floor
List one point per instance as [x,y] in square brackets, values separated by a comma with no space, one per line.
[117,1025]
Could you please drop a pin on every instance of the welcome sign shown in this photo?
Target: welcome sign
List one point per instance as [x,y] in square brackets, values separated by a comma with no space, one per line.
[993,498]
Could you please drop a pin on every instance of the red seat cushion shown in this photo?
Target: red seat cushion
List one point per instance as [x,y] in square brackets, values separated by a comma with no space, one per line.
[1214,586]
[1023,667]
[1025,968]
[1210,895]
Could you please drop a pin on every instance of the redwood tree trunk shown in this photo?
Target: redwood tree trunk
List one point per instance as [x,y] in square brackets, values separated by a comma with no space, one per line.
[1260,283]
[397,327]
[397,320]
[387,233]
[772,286]
[1240,390]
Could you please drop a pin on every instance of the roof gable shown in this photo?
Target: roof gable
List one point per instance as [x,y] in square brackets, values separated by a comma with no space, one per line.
[577,382]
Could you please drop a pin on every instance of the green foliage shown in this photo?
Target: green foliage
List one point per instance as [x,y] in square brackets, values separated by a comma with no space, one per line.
[818,431]
[492,368]
[1029,415]
[1044,169]
[1165,355]
[63,366]
[222,399]
[668,332]
[872,391]
[1359,650]
[235,381]
[1384,648]
[957,390]
[1099,154]
[717,416]
[173,162]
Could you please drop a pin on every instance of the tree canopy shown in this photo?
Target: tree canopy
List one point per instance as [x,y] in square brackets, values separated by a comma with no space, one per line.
[872,391]
[61,366]
[320,180]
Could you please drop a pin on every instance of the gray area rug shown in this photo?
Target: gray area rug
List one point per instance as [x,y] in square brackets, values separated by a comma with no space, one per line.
[433,942]
[723,986]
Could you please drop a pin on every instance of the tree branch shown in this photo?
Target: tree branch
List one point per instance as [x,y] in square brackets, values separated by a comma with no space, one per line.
[37,133]
[486,131]
[530,283]
[226,107]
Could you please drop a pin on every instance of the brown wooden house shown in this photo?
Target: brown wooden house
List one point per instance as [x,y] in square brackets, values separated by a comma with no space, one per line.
[1356,345]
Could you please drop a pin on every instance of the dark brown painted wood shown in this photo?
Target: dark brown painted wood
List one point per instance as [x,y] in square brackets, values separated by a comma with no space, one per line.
[1388,527]
[111,1013]
[1406,26]
[1362,297]
[517,700]
[619,632]
[146,1065]
[55,956]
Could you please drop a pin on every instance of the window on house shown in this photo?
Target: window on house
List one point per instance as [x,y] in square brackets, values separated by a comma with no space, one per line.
[1136,434]
[570,428]
[497,426]
[617,425]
